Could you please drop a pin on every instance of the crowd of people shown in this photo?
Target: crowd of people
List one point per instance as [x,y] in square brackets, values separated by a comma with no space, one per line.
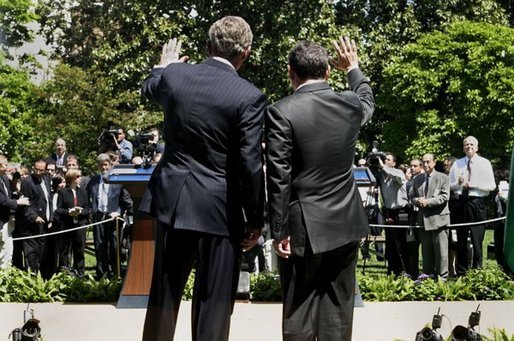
[56,197]
[431,197]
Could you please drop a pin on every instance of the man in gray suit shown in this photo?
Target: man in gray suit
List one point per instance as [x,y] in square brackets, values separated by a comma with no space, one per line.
[431,192]
[316,212]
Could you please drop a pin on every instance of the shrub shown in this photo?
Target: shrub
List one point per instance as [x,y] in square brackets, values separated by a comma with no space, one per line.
[478,284]
[20,286]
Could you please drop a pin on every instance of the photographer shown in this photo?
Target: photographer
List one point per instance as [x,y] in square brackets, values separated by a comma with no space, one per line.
[114,140]
[392,186]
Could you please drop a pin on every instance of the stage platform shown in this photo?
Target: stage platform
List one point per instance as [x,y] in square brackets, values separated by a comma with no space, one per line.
[251,321]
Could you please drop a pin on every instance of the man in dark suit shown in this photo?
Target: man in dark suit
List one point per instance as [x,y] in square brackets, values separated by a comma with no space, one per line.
[7,206]
[430,193]
[207,182]
[316,212]
[37,220]
[60,155]
[107,201]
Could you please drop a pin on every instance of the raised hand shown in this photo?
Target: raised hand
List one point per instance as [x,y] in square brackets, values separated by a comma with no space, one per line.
[171,51]
[347,54]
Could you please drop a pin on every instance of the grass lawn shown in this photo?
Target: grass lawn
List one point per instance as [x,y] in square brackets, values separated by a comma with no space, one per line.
[372,267]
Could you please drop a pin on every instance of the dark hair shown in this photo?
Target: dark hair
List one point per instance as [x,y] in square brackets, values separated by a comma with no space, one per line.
[309,60]
[392,155]
[56,181]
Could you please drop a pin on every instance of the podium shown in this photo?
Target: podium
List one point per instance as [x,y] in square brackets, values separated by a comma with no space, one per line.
[138,278]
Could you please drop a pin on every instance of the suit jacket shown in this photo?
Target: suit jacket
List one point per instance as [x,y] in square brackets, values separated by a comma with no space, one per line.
[31,188]
[436,214]
[65,201]
[211,169]
[7,203]
[118,199]
[311,137]
[64,157]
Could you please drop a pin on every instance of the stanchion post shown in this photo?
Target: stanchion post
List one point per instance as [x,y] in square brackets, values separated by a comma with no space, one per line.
[118,248]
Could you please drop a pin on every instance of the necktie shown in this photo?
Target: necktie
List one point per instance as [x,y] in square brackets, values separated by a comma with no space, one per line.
[469,170]
[427,179]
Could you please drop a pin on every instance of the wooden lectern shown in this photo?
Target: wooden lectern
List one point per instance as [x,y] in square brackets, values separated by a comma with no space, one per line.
[138,278]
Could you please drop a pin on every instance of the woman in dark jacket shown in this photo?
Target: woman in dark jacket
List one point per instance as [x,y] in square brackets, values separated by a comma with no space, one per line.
[73,211]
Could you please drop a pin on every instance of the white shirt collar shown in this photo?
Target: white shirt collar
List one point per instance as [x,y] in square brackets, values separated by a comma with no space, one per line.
[310,81]
[223,60]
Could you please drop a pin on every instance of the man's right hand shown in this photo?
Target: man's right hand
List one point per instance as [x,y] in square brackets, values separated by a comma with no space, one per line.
[23,201]
[283,247]
[39,220]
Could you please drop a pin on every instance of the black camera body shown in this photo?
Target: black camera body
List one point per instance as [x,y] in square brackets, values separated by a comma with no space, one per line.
[373,157]
[146,146]
[107,140]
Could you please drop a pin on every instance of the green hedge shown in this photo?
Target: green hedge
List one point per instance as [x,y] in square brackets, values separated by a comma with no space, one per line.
[480,284]
[21,286]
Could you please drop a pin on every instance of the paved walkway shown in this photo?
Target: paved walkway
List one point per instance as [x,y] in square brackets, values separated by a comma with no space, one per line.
[251,321]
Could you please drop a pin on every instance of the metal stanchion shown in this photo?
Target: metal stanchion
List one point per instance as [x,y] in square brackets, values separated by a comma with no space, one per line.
[118,248]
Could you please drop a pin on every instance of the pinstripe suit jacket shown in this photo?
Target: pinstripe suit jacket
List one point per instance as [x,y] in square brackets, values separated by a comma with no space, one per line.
[212,165]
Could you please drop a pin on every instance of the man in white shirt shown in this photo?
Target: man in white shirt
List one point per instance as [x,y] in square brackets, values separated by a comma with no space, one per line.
[471,180]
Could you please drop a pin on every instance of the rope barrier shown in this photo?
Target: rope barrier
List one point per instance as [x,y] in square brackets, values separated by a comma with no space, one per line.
[67,230]
[451,225]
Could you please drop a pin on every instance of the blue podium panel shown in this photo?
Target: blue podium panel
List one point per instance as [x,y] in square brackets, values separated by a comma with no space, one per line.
[127,174]
[363,176]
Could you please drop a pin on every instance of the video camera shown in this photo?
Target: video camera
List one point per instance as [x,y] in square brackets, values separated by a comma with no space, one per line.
[373,160]
[107,139]
[146,146]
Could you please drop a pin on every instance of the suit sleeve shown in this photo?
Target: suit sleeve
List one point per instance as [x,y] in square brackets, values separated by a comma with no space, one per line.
[152,85]
[279,148]
[27,191]
[360,85]
[250,153]
[7,202]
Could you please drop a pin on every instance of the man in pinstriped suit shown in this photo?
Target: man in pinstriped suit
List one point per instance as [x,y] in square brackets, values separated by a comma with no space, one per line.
[208,182]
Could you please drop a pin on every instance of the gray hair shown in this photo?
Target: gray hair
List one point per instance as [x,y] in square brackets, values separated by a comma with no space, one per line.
[61,141]
[103,158]
[471,139]
[229,37]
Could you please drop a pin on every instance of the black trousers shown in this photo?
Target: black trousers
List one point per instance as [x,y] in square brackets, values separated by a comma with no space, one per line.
[396,243]
[72,244]
[216,259]
[471,209]
[318,294]
[106,239]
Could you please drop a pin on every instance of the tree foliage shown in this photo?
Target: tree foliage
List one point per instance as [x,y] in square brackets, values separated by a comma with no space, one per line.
[119,41]
[17,111]
[450,84]
[14,17]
